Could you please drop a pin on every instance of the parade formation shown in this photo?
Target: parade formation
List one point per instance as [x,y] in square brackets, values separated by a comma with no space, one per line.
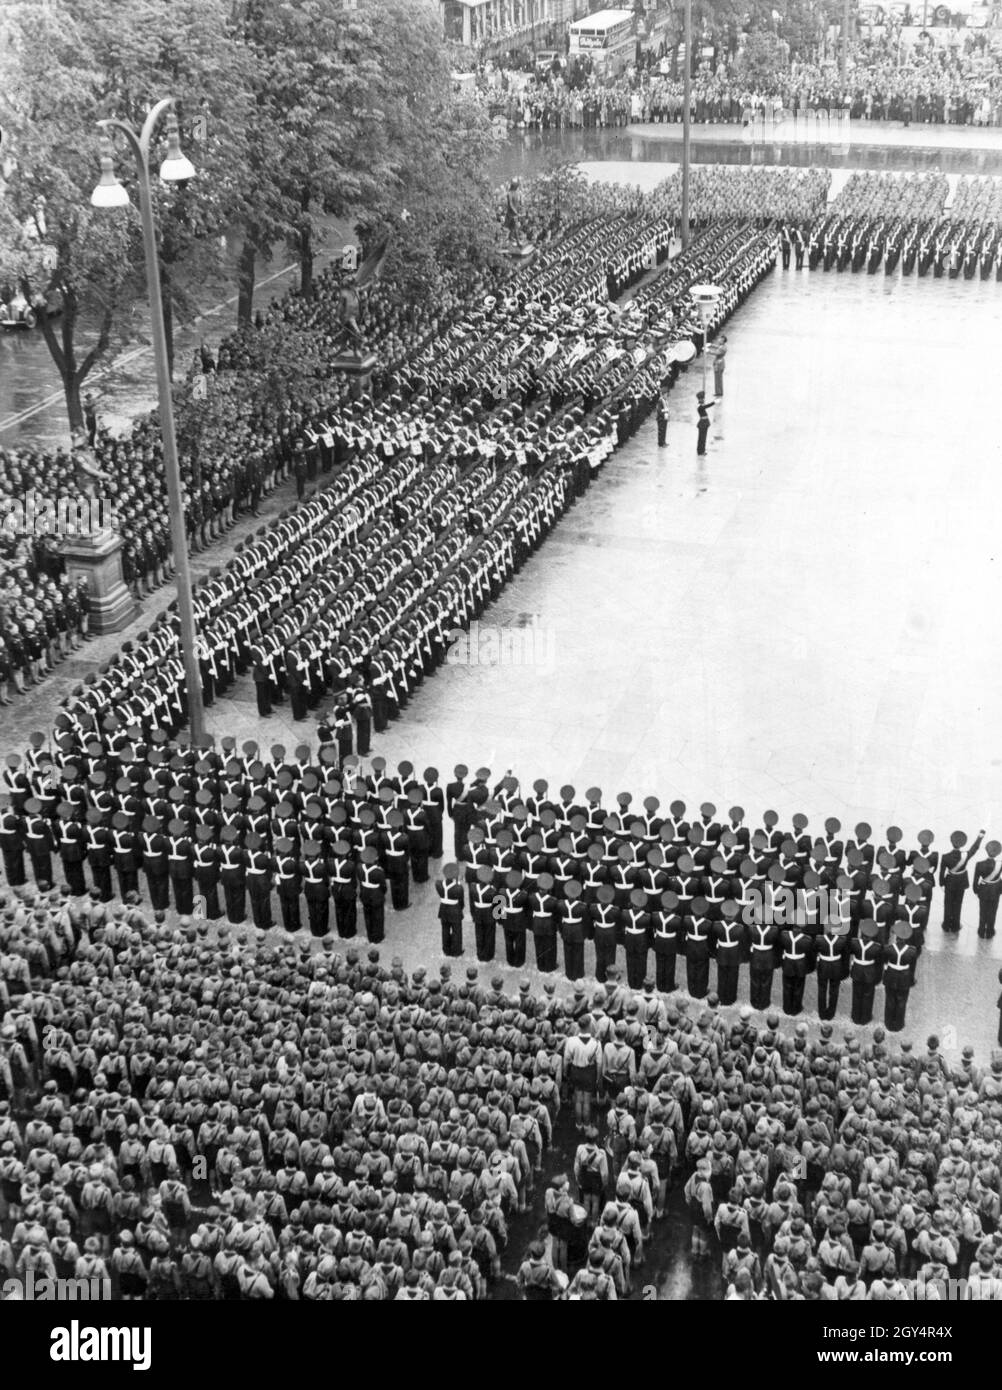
[658,1048]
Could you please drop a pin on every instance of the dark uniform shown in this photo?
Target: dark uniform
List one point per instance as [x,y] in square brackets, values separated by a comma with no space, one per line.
[482,894]
[260,873]
[795,964]
[988,887]
[155,847]
[604,923]
[372,891]
[729,937]
[666,929]
[127,854]
[72,848]
[316,887]
[762,963]
[829,961]
[864,970]
[233,874]
[512,907]
[662,419]
[100,851]
[396,860]
[702,422]
[205,866]
[899,964]
[573,926]
[12,845]
[450,909]
[181,866]
[543,911]
[698,941]
[954,878]
[433,803]
[418,834]
[636,929]
[289,882]
[344,889]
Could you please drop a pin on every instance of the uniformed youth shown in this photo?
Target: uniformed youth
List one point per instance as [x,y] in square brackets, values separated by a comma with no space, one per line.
[449,888]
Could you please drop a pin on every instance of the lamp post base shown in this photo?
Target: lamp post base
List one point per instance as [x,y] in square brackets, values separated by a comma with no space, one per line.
[97,559]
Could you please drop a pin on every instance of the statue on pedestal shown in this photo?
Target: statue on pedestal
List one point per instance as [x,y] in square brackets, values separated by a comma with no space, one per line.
[513,212]
[349,308]
[86,467]
[517,246]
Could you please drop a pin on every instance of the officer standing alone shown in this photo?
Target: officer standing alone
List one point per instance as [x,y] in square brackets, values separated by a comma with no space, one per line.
[702,421]
[662,417]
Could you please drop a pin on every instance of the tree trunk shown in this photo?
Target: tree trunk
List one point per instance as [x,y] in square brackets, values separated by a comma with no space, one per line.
[245,281]
[306,263]
[63,355]
[72,381]
[306,249]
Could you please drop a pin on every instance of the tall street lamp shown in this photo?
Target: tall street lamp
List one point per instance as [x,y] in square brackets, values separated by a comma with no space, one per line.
[109,193]
[706,297]
[686,123]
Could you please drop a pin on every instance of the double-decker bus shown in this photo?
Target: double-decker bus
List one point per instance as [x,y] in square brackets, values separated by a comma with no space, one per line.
[608,37]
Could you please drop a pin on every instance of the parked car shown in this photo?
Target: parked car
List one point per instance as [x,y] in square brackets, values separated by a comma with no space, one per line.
[17,312]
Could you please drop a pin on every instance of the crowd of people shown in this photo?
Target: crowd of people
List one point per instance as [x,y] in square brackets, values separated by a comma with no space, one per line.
[921,83]
[188,1114]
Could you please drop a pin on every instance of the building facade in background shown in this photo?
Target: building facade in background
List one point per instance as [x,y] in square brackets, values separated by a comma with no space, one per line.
[513,24]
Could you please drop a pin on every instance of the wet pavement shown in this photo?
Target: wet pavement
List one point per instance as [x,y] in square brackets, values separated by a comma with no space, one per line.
[864,145]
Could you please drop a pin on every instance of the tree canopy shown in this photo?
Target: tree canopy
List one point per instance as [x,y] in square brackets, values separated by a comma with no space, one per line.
[292,112]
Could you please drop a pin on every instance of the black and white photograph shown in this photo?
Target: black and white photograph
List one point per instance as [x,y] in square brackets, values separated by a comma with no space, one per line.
[500,678]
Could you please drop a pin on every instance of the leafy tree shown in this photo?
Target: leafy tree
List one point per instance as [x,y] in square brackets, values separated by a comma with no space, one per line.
[759,62]
[187,49]
[50,237]
[358,117]
[65,64]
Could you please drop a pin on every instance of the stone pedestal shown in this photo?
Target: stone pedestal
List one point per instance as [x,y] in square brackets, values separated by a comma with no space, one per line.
[98,559]
[358,366]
